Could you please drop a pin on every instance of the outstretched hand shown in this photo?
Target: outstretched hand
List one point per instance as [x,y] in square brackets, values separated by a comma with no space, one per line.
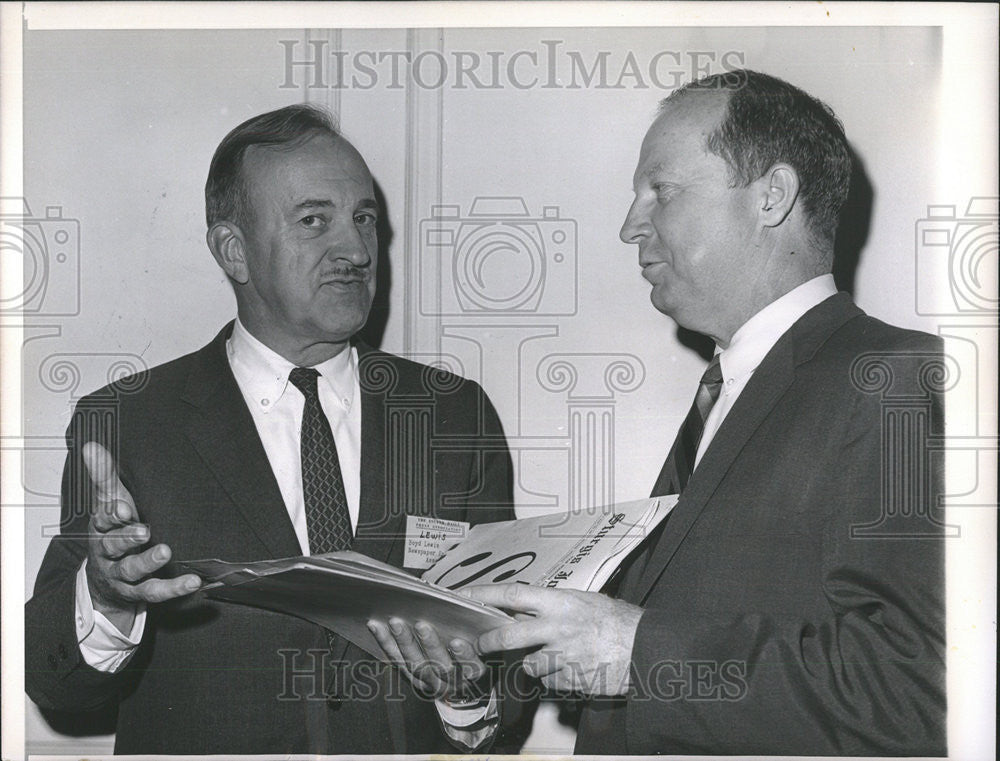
[585,638]
[446,672]
[118,569]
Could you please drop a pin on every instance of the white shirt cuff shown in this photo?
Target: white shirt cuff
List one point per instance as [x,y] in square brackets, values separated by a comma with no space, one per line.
[101,644]
[455,720]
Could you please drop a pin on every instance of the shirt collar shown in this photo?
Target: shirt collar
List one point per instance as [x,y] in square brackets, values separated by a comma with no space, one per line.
[758,335]
[263,373]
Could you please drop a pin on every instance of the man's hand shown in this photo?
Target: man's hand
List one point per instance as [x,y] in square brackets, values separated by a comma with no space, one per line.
[117,570]
[585,637]
[446,673]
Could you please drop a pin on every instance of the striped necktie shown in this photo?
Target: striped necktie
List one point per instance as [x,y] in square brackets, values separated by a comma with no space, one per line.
[672,479]
[679,464]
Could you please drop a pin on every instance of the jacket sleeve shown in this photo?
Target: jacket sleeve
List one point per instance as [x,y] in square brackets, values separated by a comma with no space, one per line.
[56,674]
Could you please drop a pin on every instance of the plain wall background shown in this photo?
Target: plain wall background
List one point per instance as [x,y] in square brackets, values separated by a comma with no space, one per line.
[120,127]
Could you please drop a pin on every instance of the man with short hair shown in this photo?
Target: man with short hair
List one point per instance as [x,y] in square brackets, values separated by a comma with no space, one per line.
[284,436]
[775,612]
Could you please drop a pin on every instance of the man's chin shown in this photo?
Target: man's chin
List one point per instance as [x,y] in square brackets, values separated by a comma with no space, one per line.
[343,327]
[662,303]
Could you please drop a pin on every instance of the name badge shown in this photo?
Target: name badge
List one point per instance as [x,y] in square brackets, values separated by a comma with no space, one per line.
[427,539]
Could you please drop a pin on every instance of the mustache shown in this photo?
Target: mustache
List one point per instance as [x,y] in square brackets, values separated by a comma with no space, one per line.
[349,273]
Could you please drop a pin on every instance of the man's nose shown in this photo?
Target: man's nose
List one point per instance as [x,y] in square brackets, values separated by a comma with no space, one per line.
[635,226]
[352,246]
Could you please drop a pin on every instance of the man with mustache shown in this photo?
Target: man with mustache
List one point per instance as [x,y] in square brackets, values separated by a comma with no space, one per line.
[284,436]
[793,603]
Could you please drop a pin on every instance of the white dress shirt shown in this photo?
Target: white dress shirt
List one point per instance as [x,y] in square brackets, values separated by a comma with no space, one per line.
[276,407]
[751,343]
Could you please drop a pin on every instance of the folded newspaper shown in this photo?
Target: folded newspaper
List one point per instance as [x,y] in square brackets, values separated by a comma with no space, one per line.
[342,591]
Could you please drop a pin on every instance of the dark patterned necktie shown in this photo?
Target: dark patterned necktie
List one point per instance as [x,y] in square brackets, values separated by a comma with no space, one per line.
[680,462]
[328,521]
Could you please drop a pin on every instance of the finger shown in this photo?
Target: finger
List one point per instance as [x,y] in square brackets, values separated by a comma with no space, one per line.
[160,590]
[432,645]
[556,682]
[540,664]
[135,568]
[387,642]
[113,504]
[515,636]
[422,667]
[464,654]
[520,598]
[109,514]
[117,542]
[101,469]
[447,669]
[410,648]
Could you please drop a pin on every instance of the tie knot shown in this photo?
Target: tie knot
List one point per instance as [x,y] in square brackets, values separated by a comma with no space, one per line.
[713,373]
[304,379]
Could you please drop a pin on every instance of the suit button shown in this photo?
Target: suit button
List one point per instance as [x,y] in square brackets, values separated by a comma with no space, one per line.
[53,663]
[62,651]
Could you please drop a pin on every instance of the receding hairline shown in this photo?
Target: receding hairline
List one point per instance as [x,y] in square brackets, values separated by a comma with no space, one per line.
[683,99]
[689,118]
[338,141]
[252,156]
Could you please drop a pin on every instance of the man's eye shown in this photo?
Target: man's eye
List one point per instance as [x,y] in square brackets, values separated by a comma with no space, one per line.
[312,220]
[663,191]
[364,218]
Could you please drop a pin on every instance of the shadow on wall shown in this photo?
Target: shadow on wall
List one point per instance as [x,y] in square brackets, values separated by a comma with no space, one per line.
[852,234]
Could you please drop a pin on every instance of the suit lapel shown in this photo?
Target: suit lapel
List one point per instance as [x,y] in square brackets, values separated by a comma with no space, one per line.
[223,433]
[378,527]
[767,385]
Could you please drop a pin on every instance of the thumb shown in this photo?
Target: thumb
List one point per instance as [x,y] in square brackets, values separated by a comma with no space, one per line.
[104,476]
[101,467]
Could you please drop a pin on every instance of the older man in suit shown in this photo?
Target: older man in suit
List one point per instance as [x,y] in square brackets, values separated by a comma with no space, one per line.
[769,616]
[285,435]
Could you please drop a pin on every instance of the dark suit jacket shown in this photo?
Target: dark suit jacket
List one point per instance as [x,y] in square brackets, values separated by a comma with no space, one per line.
[794,603]
[212,677]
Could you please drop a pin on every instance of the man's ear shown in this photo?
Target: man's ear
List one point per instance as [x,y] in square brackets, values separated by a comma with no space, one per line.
[779,189]
[228,246]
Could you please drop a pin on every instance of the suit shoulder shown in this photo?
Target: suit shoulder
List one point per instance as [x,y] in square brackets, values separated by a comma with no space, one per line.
[864,353]
[875,334]
[864,335]
[149,384]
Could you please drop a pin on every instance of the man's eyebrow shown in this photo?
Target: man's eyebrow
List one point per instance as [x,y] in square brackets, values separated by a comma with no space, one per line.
[313,203]
[653,169]
[647,173]
[323,203]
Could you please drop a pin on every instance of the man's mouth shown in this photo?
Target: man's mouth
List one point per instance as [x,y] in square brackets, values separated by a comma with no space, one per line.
[651,271]
[346,278]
